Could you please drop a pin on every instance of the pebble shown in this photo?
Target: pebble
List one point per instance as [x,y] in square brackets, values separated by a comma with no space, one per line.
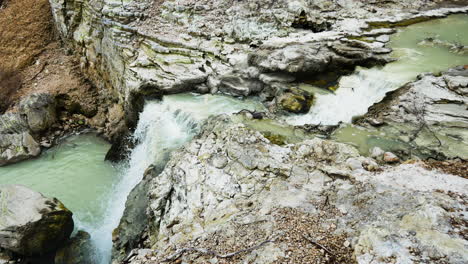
[390,157]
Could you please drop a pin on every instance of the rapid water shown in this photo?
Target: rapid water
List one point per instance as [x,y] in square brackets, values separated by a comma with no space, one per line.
[163,126]
[365,87]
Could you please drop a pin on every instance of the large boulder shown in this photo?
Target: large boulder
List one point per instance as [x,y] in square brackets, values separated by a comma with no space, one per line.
[39,110]
[31,224]
[37,113]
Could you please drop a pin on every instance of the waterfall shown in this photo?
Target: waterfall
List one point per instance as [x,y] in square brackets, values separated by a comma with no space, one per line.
[163,126]
[356,94]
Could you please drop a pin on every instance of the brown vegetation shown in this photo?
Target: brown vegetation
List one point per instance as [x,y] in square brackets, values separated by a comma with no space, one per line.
[25,29]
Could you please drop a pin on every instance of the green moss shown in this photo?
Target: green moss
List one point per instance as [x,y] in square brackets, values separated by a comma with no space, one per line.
[361,38]
[296,101]
[403,23]
[275,138]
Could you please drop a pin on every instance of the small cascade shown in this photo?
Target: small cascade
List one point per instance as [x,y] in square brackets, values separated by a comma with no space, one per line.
[356,93]
[163,127]
[359,91]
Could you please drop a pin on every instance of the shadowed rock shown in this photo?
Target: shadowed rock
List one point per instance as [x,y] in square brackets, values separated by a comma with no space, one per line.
[31,224]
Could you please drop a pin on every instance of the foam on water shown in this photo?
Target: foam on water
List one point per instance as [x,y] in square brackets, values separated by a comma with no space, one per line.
[365,87]
[163,126]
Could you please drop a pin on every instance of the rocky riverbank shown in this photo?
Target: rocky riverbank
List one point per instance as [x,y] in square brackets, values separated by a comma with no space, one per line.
[430,114]
[232,190]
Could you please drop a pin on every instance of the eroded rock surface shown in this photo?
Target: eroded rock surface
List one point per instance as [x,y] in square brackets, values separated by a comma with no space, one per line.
[231,189]
[431,113]
[31,224]
[39,110]
[18,130]
[236,47]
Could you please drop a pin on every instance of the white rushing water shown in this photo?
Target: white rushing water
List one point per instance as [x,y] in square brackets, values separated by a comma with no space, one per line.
[163,126]
[359,91]
[356,93]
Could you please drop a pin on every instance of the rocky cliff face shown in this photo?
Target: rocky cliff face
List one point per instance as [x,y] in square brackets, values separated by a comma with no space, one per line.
[231,195]
[141,48]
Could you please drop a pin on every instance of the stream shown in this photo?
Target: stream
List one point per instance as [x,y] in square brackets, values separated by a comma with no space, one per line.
[75,172]
[358,91]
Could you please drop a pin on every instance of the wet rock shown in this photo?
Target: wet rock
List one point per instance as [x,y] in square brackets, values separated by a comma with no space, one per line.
[39,110]
[432,111]
[296,101]
[134,222]
[389,157]
[31,224]
[78,250]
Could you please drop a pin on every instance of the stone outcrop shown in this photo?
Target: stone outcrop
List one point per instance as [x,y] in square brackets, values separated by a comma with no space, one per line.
[39,110]
[16,142]
[429,113]
[36,115]
[232,189]
[31,224]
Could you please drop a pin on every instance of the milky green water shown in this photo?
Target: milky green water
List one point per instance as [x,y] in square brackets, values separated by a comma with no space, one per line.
[358,91]
[74,172]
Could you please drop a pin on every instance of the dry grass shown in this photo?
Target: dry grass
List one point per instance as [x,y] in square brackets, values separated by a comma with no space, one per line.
[25,29]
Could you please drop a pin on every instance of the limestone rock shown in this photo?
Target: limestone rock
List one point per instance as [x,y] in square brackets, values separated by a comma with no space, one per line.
[39,110]
[431,110]
[31,224]
[152,48]
[261,191]
[16,141]
[17,147]
[12,123]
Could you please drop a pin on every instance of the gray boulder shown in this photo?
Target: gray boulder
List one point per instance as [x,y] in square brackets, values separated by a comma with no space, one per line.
[12,123]
[31,224]
[16,143]
[39,111]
